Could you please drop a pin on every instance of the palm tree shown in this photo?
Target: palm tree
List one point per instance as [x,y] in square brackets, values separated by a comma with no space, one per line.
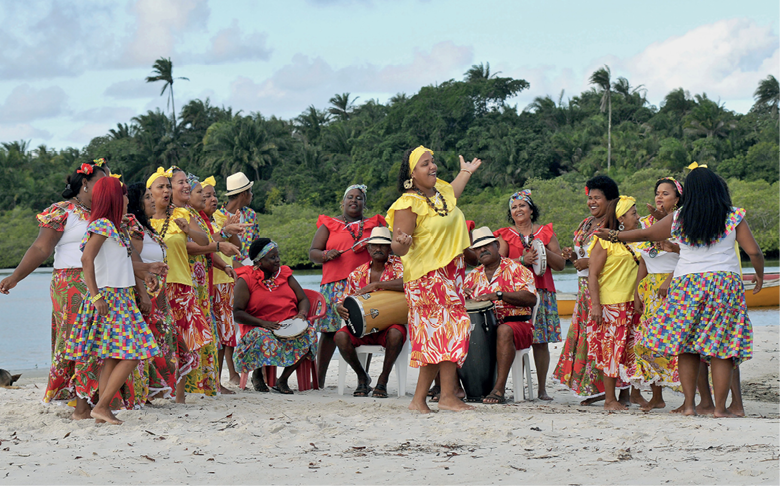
[163,71]
[342,106]
[602,78]
[479,72]
[768,93]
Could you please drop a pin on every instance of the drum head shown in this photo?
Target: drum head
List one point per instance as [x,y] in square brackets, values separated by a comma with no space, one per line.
[355,322]
[540,265]
[475,306]
[291,328]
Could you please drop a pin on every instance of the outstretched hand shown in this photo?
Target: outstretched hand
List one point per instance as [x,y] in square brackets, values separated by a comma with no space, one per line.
[602,233]
[470,166]
[657,213]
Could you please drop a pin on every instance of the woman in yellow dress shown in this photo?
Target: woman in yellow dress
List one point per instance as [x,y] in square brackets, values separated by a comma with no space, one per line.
[430,235]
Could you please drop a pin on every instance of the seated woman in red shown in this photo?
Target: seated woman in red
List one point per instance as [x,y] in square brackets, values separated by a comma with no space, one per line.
[265,295]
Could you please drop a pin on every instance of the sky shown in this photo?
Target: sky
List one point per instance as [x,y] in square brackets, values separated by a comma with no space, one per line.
[72,69]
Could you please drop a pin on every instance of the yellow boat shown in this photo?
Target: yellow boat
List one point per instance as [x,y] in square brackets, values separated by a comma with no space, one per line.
[769,296]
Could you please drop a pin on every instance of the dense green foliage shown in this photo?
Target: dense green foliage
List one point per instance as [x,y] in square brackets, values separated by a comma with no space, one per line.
[303,165]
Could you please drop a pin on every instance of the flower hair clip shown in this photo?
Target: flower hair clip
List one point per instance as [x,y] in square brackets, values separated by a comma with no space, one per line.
[86,169]
[99,161]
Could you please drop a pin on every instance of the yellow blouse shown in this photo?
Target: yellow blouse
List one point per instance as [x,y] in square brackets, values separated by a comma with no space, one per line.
[221,277]
[176,241]
[618,277]
[437,240]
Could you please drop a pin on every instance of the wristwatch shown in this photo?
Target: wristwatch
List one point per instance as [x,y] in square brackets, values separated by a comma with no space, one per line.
[500,295]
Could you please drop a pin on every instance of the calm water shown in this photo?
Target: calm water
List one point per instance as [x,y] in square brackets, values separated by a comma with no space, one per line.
[25,315]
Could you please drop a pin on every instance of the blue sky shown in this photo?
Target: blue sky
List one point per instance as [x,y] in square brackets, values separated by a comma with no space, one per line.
[70,70]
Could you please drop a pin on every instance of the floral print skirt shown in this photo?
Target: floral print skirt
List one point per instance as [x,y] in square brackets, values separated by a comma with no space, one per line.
[333,293]
[162,371]
[547,327]
[260,347]
[611,343]
[222,305]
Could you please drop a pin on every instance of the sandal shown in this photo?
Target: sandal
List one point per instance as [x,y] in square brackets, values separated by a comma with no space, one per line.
[499,399]
[282,388]
[258,383]
[362,390]
[380,391]
[435,390]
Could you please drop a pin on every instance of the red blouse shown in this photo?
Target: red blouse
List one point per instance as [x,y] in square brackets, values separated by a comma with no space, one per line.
[274,304]
[340,238]
[516,249]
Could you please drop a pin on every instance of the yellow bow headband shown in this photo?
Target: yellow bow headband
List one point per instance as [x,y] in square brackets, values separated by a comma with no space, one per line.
[117,176]
[414,157]
[624,204]
[696,165]
[208,181]
[160,173]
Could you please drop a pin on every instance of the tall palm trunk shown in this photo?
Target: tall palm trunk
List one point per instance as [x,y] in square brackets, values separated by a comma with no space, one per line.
[609,131]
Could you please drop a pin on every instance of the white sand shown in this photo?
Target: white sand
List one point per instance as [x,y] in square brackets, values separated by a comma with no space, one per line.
[318,437]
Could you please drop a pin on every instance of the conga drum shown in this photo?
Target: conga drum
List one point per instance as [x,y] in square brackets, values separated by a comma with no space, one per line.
[376,311]
[478,373]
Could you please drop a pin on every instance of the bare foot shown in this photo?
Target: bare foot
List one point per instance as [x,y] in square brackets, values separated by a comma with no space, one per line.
[651,405]
[105,414]
[226,391]
[637,398]
[453,403]
[419,407]
[705,410]
[180,400]
[614,405]
[725,414]
[592,400]
[461,393]
[543,394]
[235,379]
[683,410]
[79,415]
[624,398]
[738,411]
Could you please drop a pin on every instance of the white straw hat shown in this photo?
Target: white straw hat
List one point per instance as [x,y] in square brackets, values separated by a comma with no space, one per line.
[380,236]
[482,236]
[237,183]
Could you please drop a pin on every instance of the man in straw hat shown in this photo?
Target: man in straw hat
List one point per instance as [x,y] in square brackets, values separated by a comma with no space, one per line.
[239,193]
[384,272]
[510,286]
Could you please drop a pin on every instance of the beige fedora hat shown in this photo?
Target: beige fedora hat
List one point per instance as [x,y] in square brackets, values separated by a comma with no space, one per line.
[380,236]
[482,236]
[237,183]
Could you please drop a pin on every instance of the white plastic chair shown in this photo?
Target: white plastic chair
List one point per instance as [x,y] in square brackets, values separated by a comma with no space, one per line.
[401,365]
[523,360]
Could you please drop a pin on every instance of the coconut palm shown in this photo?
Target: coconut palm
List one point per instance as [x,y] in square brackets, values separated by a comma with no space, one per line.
[479,72]
[342,106]
[768,94]
[602,78]
[163,71]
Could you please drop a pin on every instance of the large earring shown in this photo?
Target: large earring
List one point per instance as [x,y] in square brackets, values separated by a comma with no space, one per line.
[408,184]
[621,227]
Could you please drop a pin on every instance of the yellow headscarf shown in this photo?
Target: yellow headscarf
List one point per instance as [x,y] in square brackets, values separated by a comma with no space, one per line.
[160,173]
[624,204]
[414,157]
[696,165]
[208,181]
[117,176]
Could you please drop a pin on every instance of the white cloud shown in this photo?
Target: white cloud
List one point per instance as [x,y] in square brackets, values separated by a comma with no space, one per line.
[88,131]
[108,114]
[22,131]
[26,103]
[308,80]
[725,59]
[132,88]
[229,45]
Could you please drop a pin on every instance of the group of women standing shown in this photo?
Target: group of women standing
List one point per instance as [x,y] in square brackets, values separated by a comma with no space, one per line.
[642,310]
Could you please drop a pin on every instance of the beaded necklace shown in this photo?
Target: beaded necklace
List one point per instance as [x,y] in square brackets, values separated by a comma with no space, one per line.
[444,211]
[584,235]
[352,233]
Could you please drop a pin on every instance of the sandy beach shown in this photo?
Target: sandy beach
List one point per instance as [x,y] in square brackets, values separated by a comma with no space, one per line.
[319,437]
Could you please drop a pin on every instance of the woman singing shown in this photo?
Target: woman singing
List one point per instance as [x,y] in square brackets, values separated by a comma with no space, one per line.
[429,234]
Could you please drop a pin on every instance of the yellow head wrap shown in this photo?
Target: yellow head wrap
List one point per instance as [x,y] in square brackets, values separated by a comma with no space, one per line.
[208,181]
[414,157]
[160,173]
[624,204]
[696,165]
[117,176]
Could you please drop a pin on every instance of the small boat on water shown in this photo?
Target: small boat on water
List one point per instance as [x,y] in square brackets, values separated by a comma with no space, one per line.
[768,297]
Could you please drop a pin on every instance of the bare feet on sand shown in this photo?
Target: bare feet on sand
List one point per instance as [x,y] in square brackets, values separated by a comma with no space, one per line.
[592,400]
[683,410]
[614,406]
[419,407]
[726,413]
[738,411]
[79,415]
[652,404]
[105,414]
[226,391]
[453,403]
[637,398]
[705,410]
[543,394]
[235,379]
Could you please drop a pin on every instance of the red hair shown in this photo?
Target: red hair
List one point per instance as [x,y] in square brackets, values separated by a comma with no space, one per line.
[108,201]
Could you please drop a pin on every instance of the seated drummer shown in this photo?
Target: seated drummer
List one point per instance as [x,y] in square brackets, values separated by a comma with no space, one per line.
[266,294]
[510,286]
[384,272]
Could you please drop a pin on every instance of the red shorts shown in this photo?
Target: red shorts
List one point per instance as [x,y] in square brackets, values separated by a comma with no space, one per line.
[522,333]
[375,338]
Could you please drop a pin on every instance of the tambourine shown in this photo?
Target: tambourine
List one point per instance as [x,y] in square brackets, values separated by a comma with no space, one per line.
[540,265]
[291,328]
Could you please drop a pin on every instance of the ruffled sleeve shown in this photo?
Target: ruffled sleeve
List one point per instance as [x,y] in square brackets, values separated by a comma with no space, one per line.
[219,221]
[285,272]
[54,217]
[173,228]
[546,233]
[611,248]
[734,218]
[446,190]
[134,228]
[102,227]
[414,202]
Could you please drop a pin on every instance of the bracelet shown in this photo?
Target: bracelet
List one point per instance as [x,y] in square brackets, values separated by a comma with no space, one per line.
[96,298]
[225,234]
[218,247]
[522,259]
[466,170]
[613,236]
